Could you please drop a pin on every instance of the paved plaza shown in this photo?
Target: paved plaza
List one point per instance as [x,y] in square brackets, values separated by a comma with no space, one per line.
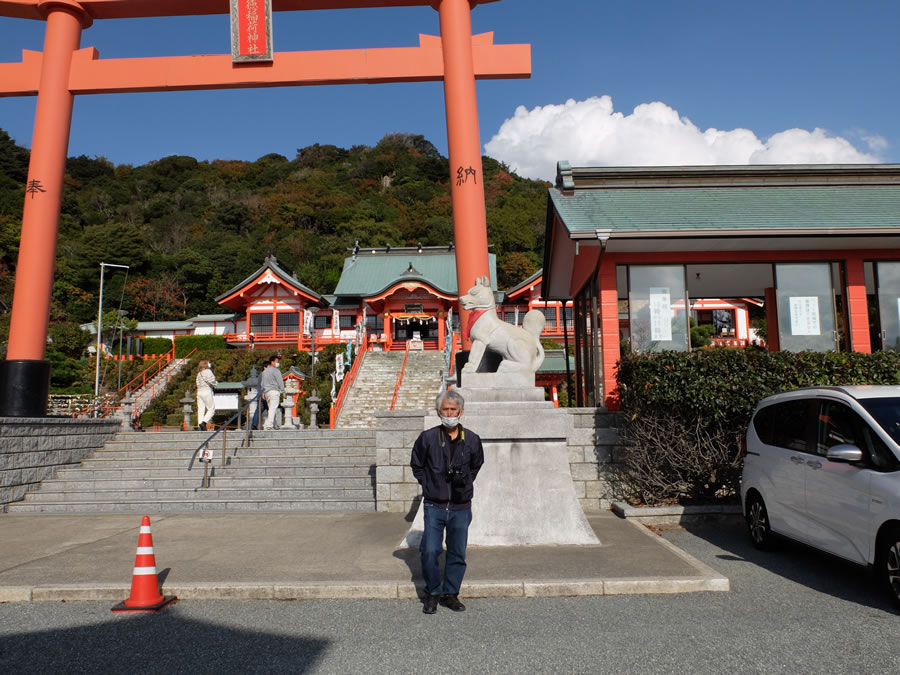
[301,556]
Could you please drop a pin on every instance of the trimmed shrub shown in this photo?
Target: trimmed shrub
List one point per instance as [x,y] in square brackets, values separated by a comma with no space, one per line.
[185,343]
[157,345]
[684,414]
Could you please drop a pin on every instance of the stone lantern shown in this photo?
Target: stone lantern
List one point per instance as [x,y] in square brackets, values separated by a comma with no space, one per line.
[187,406]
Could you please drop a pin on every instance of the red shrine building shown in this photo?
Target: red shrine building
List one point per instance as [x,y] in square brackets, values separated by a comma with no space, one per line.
[399,294]
[642,250]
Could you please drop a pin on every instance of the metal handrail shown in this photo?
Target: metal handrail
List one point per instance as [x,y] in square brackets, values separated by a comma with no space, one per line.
[400,377]
[248,438]
[347,383]
[161,359]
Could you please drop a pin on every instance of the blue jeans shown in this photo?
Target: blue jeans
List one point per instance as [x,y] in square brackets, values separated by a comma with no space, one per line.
[456,523]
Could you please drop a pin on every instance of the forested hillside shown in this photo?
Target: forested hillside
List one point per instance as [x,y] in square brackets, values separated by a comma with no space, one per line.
[190,230]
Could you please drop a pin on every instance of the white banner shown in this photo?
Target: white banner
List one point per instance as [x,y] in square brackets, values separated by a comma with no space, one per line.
[307,322]
[339,367]
[805,315]
[660,315]
[335,323]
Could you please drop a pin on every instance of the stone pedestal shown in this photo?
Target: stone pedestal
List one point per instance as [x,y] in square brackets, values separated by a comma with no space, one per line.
[524,494]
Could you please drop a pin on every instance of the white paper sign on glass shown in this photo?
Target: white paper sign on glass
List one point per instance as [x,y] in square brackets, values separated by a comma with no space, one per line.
[805,315]
[660,314]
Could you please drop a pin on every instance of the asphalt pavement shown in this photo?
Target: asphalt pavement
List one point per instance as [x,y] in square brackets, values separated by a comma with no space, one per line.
[294,556]
[790,611]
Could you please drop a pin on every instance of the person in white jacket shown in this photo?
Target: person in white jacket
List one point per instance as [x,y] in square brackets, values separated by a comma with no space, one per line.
[206,402]
[271,382]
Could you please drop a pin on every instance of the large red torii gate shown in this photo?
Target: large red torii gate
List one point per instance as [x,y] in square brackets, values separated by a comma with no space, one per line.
[63,70]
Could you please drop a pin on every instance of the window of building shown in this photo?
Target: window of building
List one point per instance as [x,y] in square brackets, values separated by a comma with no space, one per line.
[549,316]
[374,323]
[509,317]
[587,338]
[804,297]
[657,298]
[323,321]
[288,322]
[260,323]
[346,321]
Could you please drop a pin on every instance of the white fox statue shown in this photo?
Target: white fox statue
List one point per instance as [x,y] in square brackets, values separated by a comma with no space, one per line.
[520,346]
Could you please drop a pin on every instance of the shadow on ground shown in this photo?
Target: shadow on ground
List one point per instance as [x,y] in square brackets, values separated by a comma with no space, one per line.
[797,563]
[161,642]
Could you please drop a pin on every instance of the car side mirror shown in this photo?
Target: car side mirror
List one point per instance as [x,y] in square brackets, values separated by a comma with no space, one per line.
[844,452]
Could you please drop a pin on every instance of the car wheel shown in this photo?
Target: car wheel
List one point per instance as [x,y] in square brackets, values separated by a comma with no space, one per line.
[888,562]
[758,523]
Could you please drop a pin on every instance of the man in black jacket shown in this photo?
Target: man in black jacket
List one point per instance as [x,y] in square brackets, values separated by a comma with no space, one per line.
[445,461]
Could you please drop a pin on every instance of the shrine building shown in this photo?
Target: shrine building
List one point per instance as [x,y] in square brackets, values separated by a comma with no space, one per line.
[814,250]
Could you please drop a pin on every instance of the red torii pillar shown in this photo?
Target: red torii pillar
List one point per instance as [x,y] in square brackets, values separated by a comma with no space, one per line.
[25,375]
[467,178]
[63,71]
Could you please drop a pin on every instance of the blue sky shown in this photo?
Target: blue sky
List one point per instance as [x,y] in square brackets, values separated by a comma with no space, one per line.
[647,82]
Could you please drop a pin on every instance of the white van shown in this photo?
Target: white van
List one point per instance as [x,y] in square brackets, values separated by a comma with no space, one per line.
[822,466]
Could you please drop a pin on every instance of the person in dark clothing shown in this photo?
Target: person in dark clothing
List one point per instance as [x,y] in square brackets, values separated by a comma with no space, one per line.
[445,460]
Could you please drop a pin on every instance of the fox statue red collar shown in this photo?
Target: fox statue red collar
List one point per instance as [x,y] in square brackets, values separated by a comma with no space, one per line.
[473,317]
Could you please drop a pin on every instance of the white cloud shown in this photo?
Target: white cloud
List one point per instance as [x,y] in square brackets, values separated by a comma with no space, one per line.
[592,133]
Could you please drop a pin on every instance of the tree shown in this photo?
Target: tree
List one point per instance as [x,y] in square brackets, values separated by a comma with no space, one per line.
[156,297]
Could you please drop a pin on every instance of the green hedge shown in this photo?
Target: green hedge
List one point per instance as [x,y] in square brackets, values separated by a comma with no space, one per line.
[157,345]
[184,344]
[684,414]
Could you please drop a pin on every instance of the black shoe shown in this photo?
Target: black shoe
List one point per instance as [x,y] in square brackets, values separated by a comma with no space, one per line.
[452,602]
[202,426]
[430,604]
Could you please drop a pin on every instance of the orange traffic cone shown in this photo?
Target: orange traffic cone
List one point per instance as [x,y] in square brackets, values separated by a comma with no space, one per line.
[145,595]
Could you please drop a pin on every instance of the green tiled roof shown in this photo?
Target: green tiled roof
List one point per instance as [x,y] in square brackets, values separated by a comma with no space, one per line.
[369,274]
[555,362]
[851,208]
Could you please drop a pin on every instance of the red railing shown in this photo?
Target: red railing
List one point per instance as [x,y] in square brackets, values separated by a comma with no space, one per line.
[156,388]
[400,377]
[347,382]
[160,361]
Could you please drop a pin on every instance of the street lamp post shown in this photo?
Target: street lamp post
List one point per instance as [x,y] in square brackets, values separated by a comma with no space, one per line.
[100,334]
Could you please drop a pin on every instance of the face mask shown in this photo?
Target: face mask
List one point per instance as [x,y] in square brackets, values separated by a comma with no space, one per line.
[449,422]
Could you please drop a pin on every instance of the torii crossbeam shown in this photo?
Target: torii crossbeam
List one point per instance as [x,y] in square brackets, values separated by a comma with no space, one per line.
[63,70]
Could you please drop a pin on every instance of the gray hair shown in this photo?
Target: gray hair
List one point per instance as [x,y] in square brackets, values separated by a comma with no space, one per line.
[452,395]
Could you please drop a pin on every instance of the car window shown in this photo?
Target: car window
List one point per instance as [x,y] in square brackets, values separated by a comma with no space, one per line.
[839,424]
[785,424]
[886,412]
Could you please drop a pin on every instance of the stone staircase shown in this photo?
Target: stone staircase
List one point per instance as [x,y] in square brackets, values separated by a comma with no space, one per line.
[422,380]
[372,390]
[143,396]
[375,382]
[323,470]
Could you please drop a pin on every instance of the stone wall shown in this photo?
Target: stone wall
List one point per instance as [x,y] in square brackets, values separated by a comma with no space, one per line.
[593,457]
[33,449]
[396,488]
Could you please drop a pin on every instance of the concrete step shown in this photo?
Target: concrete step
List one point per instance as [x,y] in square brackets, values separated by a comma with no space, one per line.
[163,453]
[222,479]
[309,470]
[197,492]
[253,460]
[195,506]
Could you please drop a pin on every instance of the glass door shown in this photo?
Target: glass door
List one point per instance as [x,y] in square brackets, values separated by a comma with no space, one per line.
[804,296]
[657,308]
[887,275]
